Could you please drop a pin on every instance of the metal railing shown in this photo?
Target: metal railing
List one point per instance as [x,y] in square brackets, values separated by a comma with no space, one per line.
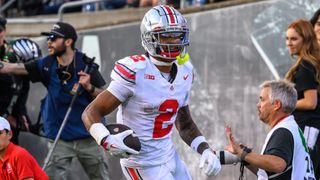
[73,4]
[6,6]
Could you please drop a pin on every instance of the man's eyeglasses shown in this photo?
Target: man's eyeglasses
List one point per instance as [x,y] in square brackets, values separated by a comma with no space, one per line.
[52,38]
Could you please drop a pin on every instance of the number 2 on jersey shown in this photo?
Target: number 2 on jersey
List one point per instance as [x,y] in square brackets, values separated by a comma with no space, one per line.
[168,109]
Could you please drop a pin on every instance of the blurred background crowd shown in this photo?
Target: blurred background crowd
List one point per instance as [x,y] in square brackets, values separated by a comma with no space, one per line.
[20,8]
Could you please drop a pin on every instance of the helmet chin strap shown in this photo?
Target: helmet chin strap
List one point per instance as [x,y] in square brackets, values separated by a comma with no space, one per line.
[160,63]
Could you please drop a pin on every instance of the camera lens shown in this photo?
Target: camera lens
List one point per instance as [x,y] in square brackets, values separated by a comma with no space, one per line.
[228,158]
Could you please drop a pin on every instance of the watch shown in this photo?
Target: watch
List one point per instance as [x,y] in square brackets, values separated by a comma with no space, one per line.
[245,152]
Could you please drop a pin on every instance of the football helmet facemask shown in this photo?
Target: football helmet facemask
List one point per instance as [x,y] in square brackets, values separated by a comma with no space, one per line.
[164,33]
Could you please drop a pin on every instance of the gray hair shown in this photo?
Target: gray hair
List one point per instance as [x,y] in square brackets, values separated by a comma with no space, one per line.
[284,92]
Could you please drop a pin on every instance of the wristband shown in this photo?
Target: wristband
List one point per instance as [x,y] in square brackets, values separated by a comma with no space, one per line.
[197,141]
[245,152]
[98,131]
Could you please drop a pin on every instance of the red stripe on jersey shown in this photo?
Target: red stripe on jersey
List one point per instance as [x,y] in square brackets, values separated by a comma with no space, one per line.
[133,174]
[124,72]
[171,15]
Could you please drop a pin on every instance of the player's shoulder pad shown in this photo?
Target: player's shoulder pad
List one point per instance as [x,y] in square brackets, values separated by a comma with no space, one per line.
[134,63]
[127,67]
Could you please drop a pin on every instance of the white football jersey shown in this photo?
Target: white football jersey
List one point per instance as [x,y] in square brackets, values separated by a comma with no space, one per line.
[149,105]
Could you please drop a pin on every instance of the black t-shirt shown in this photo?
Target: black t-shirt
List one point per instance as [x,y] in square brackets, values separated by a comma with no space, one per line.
[281,144]
[10,86]
[304,79]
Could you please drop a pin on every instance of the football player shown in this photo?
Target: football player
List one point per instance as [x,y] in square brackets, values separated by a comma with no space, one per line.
[152,92]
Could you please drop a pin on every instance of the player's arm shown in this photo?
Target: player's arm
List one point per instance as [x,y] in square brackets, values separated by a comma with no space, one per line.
[309,100]
[102,105]
[13,68]
[190,133]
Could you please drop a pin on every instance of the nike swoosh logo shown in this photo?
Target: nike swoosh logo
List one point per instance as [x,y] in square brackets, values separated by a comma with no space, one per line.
[185,77]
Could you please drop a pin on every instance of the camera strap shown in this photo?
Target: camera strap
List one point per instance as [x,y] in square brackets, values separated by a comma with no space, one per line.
[241,170]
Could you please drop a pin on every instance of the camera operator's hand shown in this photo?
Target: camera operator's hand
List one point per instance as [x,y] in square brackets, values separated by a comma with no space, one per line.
[84,80]
[233,147]
[213,163]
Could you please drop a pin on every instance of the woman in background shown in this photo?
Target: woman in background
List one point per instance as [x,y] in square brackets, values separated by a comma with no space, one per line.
[302,44]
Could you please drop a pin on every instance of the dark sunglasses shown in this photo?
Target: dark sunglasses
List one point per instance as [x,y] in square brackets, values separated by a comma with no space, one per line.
[52,37]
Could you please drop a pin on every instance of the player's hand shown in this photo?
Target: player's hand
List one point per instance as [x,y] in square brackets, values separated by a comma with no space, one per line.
[213,163]
[115,145]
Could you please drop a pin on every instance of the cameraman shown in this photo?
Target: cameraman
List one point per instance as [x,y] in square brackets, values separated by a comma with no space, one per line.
[284,155]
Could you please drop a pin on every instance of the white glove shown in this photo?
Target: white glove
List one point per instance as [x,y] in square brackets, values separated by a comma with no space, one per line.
[115,145]
[213,163]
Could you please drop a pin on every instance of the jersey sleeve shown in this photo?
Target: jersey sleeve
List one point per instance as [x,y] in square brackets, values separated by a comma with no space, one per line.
[123,77]
[305,77]
[34,70]
[281,144]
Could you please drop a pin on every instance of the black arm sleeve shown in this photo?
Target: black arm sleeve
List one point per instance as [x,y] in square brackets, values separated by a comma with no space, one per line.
[281,144]
[34,72]
[305,77]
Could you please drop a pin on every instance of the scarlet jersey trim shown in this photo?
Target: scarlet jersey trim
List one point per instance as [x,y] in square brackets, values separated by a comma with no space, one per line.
[124,72]
[133,173]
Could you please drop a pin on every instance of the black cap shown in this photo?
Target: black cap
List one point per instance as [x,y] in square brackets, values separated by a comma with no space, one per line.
[3,23]
[63,30]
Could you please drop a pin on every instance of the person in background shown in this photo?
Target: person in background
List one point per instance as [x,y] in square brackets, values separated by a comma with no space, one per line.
[302,44]
[315,21]
[15,161]
[114,4]
[284,155]
[152,92]
[14,89]
[62,72]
